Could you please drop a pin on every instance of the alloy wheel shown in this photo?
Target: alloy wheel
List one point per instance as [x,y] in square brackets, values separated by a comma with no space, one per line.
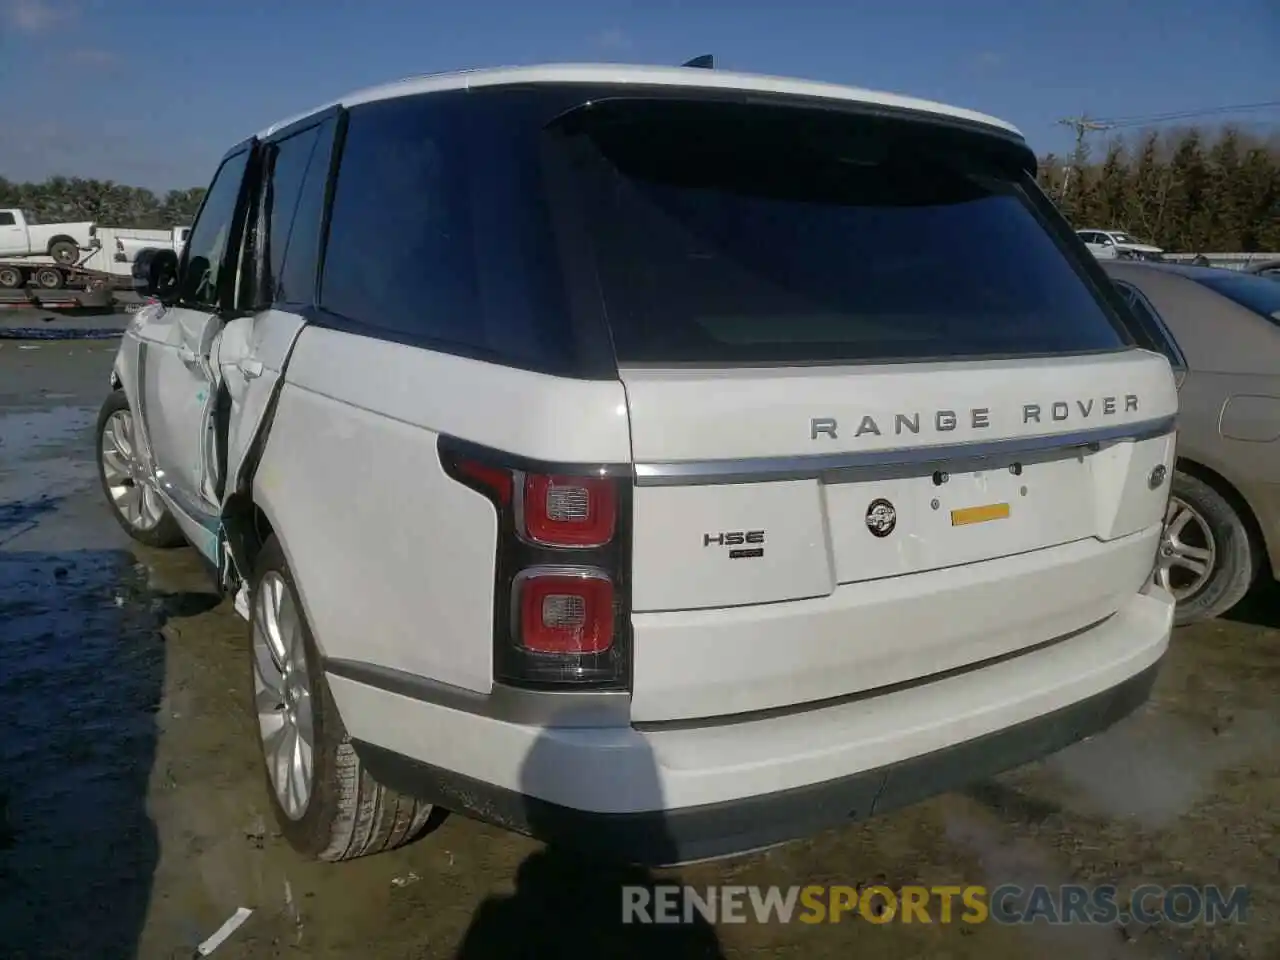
[132,490]
[282,695]
[1187,551]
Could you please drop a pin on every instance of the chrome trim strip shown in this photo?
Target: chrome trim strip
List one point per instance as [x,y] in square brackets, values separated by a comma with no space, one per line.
[539,708]
[693,472]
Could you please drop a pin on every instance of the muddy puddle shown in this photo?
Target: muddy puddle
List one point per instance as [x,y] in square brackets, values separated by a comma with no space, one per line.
[134,821]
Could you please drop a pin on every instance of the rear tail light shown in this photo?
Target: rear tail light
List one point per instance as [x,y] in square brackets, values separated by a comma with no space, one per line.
[563,611]
[572,512]
[561,591]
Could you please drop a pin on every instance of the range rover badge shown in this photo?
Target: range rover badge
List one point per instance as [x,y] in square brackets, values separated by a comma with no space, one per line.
[881,518]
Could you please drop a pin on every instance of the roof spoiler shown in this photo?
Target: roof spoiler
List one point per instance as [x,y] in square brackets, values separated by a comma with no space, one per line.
[704,62]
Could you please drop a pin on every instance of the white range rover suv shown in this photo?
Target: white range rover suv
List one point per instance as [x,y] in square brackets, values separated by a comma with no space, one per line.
[647,459]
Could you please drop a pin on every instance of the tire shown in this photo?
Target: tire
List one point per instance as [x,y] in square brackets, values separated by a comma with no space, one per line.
[1234,554]
[10,278]
[346,813]
[49,278]
[64,252]
[158,529]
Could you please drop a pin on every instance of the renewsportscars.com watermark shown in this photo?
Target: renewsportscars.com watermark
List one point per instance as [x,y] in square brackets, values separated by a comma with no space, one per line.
[1007,904]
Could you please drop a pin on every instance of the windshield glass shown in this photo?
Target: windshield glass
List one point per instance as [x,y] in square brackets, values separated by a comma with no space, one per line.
[1259,294]
[736,233]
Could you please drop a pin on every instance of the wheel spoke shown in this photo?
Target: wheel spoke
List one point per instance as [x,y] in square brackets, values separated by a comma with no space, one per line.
[1187,552]
[271,620]
[115,458]
[291,631]
[114,466]
[274,731]
[1198,567]
[307,757]
[268,696]
[130,504]
[1182,516]
[297,772]
[124,434]
[302,711]
[284,767]
[150,502]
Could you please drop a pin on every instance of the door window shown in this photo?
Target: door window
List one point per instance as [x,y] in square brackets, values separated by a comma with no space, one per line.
[206,268]
[6,219]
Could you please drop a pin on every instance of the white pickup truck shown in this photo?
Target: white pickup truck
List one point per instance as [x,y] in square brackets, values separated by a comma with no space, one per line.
[128,248]
[20,236]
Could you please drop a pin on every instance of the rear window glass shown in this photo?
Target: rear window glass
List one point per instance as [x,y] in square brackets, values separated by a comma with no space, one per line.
[1259,294]
[734,233]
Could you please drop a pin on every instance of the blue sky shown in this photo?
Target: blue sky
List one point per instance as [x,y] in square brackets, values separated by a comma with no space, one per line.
[151,92]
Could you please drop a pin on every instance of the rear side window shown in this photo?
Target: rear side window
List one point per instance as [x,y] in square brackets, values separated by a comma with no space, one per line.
[439,234]
[296,277]
[726,233]
[7,219]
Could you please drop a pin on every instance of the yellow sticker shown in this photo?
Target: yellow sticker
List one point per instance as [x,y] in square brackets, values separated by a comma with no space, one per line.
[990,511]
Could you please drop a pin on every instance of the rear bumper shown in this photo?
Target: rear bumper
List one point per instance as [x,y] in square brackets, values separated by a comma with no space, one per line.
[669,793]
[661,838]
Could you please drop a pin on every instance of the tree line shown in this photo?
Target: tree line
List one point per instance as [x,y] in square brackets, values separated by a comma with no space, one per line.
[72,199]
[1189,191]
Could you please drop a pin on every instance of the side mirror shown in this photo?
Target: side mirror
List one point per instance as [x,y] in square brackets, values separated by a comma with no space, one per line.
[155,274]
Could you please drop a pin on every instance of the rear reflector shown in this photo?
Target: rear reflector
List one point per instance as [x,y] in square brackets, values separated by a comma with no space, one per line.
[564,612]
[495,480]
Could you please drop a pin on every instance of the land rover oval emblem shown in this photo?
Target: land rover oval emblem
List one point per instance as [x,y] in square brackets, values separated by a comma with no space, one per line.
[881,518]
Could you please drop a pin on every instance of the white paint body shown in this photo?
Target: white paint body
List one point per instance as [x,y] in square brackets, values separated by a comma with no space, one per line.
[19,238]
[126,247]
[394,560]
[1108,244]
[352,482]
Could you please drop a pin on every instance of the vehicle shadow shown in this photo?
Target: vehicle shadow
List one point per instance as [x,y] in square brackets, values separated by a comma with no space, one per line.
[1260,607]
[570,903]
[82,667]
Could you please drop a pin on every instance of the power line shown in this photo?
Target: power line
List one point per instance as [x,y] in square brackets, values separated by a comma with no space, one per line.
[1113,122]
[1084,125]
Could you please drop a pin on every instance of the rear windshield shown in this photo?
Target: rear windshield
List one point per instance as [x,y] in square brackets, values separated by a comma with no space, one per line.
[1259,294]
[727,233]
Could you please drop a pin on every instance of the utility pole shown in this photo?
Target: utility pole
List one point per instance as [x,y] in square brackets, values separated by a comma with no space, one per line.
[1083,126]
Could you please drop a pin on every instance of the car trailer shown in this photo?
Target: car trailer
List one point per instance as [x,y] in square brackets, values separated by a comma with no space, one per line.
[44,285]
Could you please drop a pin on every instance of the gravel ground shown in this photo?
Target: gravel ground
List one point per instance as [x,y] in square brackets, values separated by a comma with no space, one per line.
[134,821]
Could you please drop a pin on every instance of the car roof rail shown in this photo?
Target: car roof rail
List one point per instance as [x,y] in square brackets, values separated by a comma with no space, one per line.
[704,62]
